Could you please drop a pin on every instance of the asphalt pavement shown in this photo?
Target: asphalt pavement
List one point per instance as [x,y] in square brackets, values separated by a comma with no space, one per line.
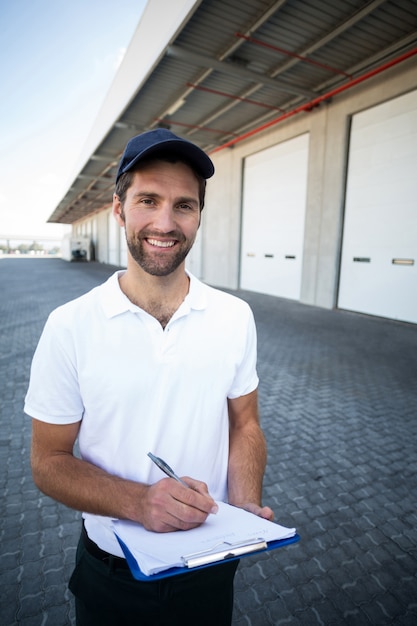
[338,401]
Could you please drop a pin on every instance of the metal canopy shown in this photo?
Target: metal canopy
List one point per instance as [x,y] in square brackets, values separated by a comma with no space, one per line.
[239,64]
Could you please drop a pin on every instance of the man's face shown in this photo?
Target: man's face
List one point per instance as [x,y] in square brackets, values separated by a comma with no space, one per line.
[161,215]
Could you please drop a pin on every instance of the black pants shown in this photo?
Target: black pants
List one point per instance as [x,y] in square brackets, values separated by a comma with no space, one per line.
[108,595]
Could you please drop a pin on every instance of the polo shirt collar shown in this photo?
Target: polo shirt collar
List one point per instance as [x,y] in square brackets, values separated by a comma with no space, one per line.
[196,297]
[115,302]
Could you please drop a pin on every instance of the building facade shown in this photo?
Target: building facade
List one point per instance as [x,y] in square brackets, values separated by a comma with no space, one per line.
[317,203]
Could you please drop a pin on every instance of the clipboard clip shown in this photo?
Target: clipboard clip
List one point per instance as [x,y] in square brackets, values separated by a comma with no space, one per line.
[227,551]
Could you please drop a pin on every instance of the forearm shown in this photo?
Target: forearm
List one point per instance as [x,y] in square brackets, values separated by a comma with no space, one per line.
[83,486]
[247,461]
[162,507]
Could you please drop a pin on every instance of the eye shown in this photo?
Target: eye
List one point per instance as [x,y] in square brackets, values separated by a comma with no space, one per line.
[186,207]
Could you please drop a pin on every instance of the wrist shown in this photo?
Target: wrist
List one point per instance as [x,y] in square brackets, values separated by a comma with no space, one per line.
[132,496]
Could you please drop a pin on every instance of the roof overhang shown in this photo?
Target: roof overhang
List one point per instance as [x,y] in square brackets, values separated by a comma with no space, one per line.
[216,70]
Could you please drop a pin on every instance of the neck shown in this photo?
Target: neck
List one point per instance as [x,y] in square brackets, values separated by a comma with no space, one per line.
[160,296]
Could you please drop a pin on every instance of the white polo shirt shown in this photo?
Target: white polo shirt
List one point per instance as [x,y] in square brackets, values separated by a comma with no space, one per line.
[136,387]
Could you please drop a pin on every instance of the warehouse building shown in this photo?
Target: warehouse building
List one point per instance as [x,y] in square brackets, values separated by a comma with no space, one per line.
[308,110]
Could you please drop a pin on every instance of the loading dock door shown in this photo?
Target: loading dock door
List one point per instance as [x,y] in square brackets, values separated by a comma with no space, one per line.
[274,203]
[379,254]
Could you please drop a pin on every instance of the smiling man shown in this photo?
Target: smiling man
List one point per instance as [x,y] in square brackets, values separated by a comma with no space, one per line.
[152,360]
[163,220]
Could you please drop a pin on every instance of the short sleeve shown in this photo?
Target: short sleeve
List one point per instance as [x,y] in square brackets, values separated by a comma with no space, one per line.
[53,395]
[246,379]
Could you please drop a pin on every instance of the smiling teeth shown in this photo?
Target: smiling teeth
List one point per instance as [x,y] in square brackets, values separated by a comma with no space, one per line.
[161,244]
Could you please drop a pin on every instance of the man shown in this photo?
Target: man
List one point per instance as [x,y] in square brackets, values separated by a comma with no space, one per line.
[152,360]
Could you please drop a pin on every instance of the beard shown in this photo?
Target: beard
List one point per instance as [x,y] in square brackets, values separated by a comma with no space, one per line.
[149,260]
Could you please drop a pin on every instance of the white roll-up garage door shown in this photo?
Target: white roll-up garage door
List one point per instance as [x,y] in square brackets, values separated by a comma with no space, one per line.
[379,253]
[274,204]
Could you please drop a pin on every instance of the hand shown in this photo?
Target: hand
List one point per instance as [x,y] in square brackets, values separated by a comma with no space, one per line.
[167,505]
[260,511]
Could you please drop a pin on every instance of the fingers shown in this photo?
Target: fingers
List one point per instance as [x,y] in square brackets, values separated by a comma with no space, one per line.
[267,513]
[170,506]
[261,511]
[197,485]
[192,506]
[200,487]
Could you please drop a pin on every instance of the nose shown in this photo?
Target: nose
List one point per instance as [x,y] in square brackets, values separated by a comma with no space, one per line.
[164,218]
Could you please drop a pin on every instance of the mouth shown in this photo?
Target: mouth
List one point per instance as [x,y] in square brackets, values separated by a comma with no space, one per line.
[157,243]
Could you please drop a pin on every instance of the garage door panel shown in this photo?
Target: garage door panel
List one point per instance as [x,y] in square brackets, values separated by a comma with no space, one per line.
[392,221]
[274,199]
[379,253]
[370,282]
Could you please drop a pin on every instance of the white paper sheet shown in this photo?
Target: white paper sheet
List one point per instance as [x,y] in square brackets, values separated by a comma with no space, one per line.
[156,552]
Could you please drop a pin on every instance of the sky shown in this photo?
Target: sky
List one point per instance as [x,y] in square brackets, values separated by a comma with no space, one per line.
[57,61]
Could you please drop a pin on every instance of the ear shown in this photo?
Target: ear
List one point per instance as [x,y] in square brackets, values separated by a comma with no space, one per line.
[117,211]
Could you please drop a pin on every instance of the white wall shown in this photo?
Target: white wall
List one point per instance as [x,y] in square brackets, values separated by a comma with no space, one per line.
[220,229]
[113,230]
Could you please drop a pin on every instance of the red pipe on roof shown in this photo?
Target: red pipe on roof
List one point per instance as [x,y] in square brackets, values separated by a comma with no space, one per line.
[316,101]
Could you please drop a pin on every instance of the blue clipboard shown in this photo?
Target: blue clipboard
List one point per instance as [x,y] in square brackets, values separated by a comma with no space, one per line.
[175,571]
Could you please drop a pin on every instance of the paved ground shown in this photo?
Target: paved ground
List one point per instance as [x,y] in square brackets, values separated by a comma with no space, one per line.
[339,409]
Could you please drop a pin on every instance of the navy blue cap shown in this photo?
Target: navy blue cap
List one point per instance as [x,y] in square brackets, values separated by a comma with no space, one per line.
[153,141]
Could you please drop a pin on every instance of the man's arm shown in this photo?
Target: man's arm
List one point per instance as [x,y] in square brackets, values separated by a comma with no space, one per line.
[165,506]
[247,456]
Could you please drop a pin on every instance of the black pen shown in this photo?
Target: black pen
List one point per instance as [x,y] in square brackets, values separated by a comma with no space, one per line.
[166,469]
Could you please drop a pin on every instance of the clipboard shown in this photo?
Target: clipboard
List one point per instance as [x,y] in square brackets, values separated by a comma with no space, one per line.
[208,558]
